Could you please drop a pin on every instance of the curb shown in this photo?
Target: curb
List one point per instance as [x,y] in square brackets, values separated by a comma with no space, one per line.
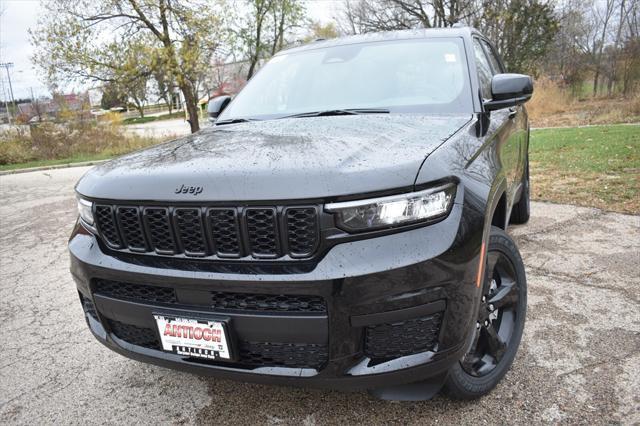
[53,166]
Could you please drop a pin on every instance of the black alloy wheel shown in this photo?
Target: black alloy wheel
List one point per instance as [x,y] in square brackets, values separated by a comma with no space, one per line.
[496,317]
[497,331]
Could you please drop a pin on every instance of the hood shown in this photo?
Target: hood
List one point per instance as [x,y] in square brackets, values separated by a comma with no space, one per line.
[295,158]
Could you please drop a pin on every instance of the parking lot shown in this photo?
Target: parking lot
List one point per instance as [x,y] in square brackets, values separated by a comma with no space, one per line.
[579,360]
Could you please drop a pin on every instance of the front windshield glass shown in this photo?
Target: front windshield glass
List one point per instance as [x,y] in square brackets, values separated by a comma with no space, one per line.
[421,75]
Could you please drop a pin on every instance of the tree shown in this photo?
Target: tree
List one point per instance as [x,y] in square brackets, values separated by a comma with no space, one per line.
[74,39]
[321,32]
[165,85]
[521,29]
[630,50]
[564,60]
[133,68]
[112,96]
[361,16]
[261,32]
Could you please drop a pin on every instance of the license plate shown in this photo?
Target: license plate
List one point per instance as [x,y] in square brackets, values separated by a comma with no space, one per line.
[193,337]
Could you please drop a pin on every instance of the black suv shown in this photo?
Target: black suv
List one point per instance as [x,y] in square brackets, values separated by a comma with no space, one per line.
[340,225]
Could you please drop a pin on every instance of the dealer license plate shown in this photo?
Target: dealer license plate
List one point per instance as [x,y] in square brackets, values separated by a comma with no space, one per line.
[193,337]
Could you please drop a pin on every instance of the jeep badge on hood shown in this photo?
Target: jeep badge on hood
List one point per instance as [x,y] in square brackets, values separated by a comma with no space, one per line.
[184,189]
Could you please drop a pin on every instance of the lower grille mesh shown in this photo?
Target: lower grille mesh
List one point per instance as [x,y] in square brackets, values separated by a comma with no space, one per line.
[137,292]
[291,355]
[219,300]
[251,354]
[389,341]
[267,302]
[88,307]
[139,336]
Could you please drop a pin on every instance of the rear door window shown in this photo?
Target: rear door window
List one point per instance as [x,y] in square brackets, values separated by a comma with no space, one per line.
[484,69]
[493,58]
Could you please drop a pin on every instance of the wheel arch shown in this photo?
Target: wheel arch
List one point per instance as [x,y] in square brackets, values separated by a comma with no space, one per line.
[497,213]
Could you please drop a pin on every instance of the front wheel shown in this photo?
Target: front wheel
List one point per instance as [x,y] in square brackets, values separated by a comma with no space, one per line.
[498,329]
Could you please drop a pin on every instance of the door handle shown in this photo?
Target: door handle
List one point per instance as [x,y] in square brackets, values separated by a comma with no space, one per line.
[513,111]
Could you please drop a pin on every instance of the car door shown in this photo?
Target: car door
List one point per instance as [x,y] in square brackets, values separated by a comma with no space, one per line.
[503,123]
[518,115]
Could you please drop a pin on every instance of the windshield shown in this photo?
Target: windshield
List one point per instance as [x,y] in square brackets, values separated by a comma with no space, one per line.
[427,76]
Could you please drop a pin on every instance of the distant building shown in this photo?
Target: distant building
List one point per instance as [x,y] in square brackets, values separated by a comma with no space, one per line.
[47,109]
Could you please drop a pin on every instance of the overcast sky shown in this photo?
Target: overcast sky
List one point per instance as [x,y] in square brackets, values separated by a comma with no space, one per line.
[19,15]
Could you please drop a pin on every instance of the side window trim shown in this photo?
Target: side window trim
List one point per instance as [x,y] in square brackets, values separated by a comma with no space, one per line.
[490,52]
[478,40]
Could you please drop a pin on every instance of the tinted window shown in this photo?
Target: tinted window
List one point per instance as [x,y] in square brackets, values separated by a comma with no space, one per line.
[493,59]
[400,75]
[484,70]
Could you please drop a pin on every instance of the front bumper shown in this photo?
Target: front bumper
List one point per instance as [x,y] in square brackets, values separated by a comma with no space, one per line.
[417,286]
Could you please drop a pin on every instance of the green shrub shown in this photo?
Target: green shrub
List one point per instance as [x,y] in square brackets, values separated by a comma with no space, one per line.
[54,141]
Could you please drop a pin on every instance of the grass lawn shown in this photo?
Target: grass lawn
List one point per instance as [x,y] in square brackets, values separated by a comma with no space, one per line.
[589,166]
[140,120]
[42,163]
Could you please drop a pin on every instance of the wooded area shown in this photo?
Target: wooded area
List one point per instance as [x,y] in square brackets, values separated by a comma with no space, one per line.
[145,50]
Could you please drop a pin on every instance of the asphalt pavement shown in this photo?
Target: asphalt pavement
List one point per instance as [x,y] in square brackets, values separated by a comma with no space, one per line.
[578,363]
[162,128]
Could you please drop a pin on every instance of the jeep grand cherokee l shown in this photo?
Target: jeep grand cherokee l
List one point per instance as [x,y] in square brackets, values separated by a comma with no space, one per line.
[340,225]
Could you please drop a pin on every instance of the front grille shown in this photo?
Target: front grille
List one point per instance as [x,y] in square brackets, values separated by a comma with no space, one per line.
[302,224]
[225,232]
[215,232]
[131,227]
[251,354]
[218,300]
[157,222]
[139,336]
[107,225]
[135,292]
[191,232]
[389,341]
[262,227]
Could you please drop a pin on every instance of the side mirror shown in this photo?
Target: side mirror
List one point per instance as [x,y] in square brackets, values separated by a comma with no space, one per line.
[508,90]
[216,106]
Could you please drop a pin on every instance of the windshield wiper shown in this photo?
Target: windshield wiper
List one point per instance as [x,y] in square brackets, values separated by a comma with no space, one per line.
[330,112]
[235,120]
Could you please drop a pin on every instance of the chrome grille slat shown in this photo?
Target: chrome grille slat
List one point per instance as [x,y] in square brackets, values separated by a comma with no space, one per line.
[267,232]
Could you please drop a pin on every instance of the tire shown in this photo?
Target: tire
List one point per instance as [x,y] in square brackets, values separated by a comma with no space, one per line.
[463,382]
[522,209]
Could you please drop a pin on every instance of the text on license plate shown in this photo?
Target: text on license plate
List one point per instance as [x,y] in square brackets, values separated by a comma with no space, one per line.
[193,337]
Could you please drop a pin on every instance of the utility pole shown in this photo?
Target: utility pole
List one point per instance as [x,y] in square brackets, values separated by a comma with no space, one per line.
[6,66]
[6,100]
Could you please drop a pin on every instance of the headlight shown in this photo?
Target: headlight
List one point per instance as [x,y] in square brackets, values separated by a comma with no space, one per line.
[85,211]
[421,206]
